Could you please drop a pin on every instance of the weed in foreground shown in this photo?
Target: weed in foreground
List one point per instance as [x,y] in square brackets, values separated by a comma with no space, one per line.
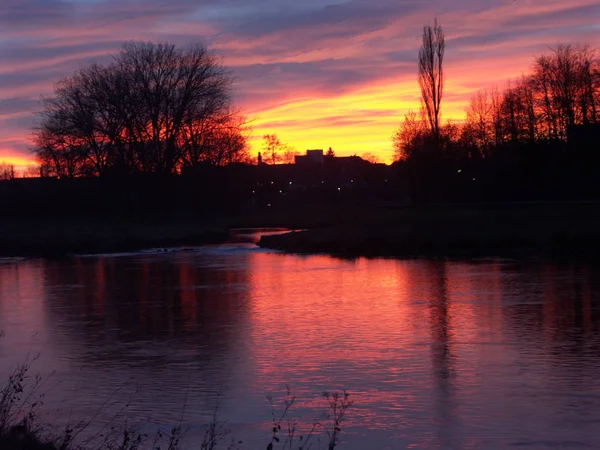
[337,404]
[21,428]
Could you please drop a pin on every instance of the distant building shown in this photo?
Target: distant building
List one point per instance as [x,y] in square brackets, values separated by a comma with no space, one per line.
[311,157]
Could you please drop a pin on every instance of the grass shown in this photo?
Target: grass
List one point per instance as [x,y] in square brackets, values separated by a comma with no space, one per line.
[284,430]
[532,229]
[21,427]
[46,237]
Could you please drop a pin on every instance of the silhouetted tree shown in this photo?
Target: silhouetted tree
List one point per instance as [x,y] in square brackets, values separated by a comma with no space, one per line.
[513,141]
[410,138]
[567,87]
[31,171]
[431,74]
[156,108]
[289,154]
[370,157]
[7,171]
[479,122]
[273,148]
[330,152]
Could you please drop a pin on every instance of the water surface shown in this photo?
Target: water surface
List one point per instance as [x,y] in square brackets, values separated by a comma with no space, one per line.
[435,354]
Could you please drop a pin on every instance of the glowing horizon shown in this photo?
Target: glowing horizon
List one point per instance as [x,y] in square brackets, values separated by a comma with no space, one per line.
[319,74]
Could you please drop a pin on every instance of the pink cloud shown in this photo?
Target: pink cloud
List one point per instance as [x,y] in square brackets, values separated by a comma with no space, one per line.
[312,72]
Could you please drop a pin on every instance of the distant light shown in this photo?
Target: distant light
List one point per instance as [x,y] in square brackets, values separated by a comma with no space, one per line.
[271,182]
[253,192]
[459,170]
[281,192]
[386,181]
[322,182]
[351,181]
[473,179]
[290,182]
[268,204]
[339,189]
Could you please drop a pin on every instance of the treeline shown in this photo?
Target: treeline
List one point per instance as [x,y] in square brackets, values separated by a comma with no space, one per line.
[206,191]
[544,121]
[155,109]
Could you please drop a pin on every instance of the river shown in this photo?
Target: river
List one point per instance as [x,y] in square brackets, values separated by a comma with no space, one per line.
[435,354]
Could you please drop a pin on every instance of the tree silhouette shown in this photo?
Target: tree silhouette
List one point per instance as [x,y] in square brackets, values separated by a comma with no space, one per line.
[7,171]
[156,108]
[479,121]
[370,157]
[289,154]
[272,148]
[431,74]
[410,137]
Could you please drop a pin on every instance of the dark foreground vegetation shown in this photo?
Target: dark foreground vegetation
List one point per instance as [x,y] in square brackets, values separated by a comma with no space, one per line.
[22,427]
[554,230]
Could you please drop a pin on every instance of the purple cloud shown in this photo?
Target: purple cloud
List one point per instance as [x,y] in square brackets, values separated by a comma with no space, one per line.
[283,51]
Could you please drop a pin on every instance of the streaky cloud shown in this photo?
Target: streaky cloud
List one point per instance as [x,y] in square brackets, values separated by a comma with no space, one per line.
[316,72]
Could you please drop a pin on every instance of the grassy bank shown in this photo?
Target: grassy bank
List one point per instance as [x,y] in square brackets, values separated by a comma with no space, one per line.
[344,229]
[59,237]
[62,236]
[532,229]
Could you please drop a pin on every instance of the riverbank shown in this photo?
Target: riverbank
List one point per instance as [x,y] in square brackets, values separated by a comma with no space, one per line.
[62,237]
[503,230]
[527,229]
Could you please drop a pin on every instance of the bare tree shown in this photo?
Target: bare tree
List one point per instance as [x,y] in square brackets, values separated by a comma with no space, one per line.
[479,121]
[566,88]
[496,105]
[289,155]
[7,171]
[562,91]
[156,108]
[431,74]
[273,148]
[31,171]
[218,141]
[371,157]
[410,137]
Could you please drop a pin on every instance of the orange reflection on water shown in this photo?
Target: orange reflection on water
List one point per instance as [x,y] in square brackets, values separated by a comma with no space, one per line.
[408,302]
[314,305]
[320,321]
[442,354]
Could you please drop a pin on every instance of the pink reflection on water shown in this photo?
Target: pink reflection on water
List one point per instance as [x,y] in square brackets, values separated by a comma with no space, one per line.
[435,353]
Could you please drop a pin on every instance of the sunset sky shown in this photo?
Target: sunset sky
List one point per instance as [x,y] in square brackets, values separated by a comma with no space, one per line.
[319,73]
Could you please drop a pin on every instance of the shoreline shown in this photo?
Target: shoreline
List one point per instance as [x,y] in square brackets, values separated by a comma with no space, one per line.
[59,238]
[320,241]
[552,230]
[561,230]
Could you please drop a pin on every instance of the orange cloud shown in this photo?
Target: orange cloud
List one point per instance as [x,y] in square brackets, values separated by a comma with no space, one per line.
[318,73]
[19,161]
